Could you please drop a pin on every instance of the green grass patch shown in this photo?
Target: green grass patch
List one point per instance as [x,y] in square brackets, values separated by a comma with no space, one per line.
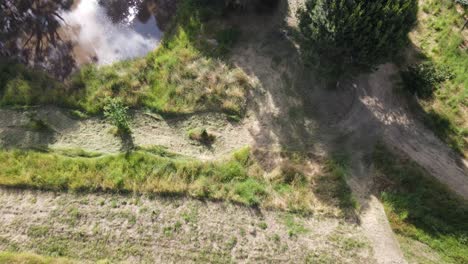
[29,258]
[420,208]
[440,39]
[183,75]
[238,178]
[295,227]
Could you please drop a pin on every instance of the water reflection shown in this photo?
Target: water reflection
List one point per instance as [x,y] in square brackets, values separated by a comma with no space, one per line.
[105,31]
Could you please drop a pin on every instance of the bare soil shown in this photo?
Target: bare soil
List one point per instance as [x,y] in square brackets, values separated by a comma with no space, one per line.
[136,229]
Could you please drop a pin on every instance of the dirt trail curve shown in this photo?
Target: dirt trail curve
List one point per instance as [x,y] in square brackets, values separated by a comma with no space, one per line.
[408,135]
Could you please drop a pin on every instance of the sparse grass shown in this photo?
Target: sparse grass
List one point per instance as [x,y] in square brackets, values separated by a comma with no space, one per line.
[439,38]
[419,208]
[239,178]
[263,225]
[177,78]
[29,258]
[295,226]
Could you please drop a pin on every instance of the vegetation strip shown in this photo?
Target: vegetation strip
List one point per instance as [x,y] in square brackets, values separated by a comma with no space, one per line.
[441,42]
[238,179]
[420,208]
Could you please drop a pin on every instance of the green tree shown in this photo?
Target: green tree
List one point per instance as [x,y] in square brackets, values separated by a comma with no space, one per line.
[341,37]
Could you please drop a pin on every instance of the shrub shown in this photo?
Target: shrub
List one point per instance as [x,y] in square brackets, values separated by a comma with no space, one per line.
[341,36]
[424,78]
[202,135]
[117,113]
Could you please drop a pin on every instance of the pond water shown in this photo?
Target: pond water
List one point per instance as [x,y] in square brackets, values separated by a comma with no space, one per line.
[106,31]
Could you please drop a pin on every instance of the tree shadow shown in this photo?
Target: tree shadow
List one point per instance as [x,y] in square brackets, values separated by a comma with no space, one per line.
[441,125]
[294,112]
[127,142]
[25,131]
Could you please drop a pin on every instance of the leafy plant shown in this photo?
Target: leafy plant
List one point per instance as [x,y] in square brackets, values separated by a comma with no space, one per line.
[424,78]
[117,113]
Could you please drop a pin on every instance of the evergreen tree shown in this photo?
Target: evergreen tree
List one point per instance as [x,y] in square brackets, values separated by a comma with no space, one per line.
[342,36]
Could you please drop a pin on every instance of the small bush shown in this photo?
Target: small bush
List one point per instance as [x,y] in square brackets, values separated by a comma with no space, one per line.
[36,124]
[425,78]
[202,135]
[117,113]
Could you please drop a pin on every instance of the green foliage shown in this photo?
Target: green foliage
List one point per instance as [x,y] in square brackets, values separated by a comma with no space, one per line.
[421,208]
[201,135]
[424,78]
[439,38]
[37,125]
[294,227]
[340,36]
[154,170]
[446,130]
[117,113]
[177,78]
[20,258]
[226,39]
[22,86]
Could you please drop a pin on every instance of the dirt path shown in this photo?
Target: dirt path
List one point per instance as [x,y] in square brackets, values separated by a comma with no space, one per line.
[142,230]
[405,133]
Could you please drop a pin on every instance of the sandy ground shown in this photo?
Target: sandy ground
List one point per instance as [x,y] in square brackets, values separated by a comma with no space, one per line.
[96,134]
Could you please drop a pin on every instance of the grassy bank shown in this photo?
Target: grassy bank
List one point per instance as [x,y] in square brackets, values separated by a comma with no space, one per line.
[177,78]
[239,179]
[420,209]
[440,40]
